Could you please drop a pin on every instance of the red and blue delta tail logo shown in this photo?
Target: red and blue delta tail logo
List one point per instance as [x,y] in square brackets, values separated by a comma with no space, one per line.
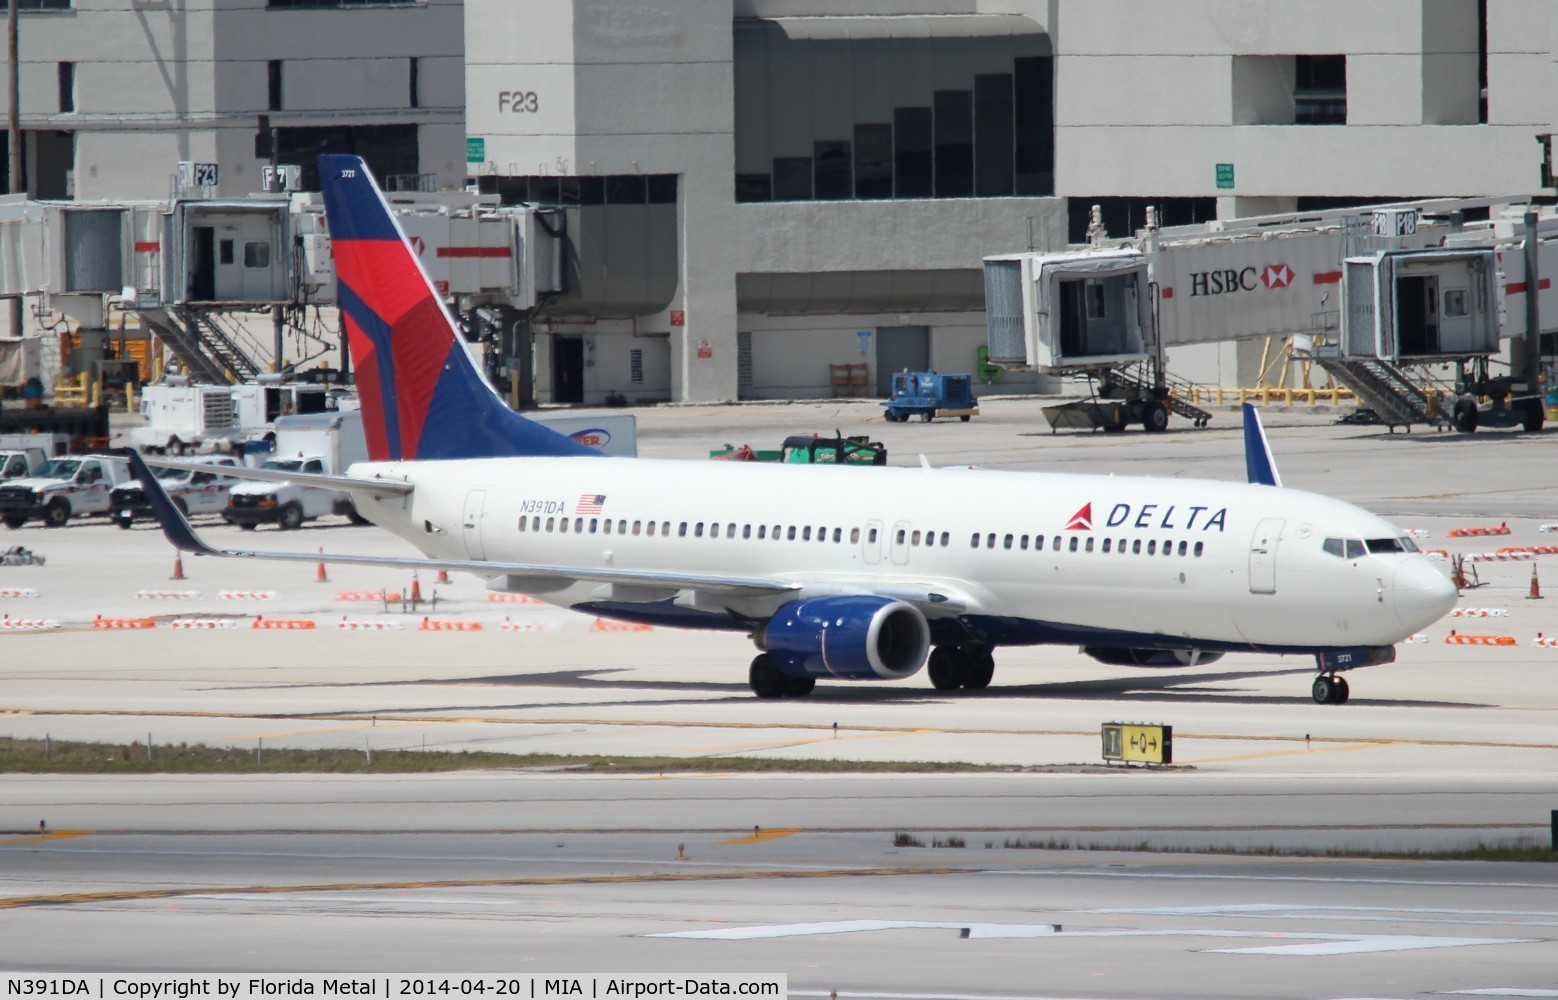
[1082,520]
[422,397]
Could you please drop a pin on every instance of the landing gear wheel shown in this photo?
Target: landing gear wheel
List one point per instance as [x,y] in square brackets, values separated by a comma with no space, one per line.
[946,668]
[799,687]
[1329,689]
[56,513]
[765,679]
[1156,418]
[978,671]
[1465,417]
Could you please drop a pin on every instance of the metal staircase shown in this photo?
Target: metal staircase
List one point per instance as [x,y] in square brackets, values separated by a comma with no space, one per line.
[1139,378]
[210,351]
[1385,389]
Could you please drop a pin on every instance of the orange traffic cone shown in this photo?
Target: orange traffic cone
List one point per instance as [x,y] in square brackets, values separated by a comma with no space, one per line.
[416,589]
[443,576]
[1536,586]
[178,567]
[319,574]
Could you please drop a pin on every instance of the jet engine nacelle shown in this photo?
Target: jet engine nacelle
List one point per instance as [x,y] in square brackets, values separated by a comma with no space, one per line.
[1125,656]
[847,638]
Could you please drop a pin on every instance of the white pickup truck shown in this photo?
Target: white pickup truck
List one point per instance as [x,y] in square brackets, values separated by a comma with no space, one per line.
[63,488]
[313,443]
[193,491]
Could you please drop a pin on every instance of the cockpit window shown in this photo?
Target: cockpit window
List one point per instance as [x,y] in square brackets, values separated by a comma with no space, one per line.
[1379,545]
[1355,549]
[1333,546]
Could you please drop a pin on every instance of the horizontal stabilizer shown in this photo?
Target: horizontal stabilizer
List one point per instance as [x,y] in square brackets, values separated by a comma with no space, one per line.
[377,487]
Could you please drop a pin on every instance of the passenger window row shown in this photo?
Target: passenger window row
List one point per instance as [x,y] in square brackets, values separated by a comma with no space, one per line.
[1132,546]
[682,529]
[822,533]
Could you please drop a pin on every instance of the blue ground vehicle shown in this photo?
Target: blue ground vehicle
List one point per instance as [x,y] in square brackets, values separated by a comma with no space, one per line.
[931,394]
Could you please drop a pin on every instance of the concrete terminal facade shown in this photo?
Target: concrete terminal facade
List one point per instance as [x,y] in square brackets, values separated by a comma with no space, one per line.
[755,191]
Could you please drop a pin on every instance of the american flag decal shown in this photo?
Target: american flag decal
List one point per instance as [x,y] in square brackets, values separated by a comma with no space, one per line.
[590,503]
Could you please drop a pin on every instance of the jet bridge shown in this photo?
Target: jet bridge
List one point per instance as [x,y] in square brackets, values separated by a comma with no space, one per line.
[228,283]
[1374,295]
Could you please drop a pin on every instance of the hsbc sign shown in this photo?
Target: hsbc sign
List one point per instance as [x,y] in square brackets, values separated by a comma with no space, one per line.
[1246,279]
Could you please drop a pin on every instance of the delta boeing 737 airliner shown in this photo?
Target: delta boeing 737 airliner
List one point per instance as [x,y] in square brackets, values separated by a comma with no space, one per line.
[867,579]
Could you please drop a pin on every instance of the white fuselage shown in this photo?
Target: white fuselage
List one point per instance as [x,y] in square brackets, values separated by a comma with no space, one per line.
[1025,557]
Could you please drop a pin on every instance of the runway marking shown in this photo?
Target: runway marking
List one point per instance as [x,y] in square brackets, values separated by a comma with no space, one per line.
[762,835]
[804,726]
[1312,944]
[56,835]
[770,745]
[1356,914]
[361,726]
[968,930]
[124,895]
[1491,991]
[1295,752]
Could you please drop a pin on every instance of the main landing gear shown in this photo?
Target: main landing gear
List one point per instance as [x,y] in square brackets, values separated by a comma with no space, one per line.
[768,681]
[1329,689]
[968,666]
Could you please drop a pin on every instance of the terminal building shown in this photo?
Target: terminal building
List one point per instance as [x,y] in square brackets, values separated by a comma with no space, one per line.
[754,195]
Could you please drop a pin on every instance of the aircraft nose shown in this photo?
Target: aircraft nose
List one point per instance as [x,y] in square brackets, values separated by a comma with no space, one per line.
[1423,593]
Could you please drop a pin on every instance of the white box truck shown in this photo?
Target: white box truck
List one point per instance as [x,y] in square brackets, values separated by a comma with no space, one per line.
[310,443]
[182,418]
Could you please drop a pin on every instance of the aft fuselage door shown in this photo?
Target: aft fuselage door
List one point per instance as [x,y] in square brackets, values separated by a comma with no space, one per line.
[871,543]
[475,501]
[1263,555]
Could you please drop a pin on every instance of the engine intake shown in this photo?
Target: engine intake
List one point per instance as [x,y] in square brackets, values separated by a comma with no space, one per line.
[1125,656]
[848,638]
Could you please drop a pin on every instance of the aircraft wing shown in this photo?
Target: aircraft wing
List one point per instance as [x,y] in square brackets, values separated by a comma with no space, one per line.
[378,487]
[178,531]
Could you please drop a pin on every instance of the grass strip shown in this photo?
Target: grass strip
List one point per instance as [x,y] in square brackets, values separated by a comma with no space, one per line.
[19,756]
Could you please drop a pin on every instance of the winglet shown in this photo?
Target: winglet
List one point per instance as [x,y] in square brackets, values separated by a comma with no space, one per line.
[1258,463]
[174,525]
